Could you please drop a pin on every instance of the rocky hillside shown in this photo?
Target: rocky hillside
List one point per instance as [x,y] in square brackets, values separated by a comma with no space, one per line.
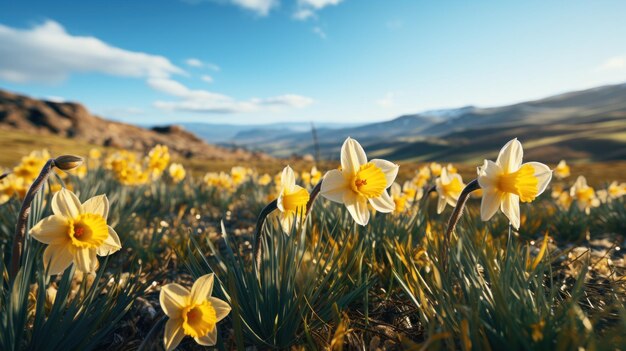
[73,120]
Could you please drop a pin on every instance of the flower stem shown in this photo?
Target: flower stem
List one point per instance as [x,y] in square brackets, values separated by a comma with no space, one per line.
[454,218]
[258,234]
[22,218]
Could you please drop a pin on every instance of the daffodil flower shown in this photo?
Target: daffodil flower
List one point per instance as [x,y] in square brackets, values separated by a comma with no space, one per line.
[584,195]
[360,182]
[449,188]
[76,233]
[292,199]
[562,170]
[177,172]
[399,198]
[507,181]
[194,313]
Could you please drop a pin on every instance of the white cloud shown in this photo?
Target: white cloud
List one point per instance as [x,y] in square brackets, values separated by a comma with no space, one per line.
[208,102]
[318,4]
[194,62]
[260,7]
[306,9]
[613,64]
[47,53]
[319,31]
[387,101]
[303,14]
[207,78]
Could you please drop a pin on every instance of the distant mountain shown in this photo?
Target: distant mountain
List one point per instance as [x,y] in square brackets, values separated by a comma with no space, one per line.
[582,125]
[72,120]
[233,133]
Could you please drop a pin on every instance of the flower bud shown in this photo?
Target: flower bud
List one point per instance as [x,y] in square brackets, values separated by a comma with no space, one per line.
[67,162]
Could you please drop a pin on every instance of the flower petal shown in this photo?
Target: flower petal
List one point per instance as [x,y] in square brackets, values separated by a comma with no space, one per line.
[174,334]
[287,180]
[97,205]
[202,288]
[510,208]
[510,157]
[543,174]
[173,298]
[384,203]
[56,258]
[222,308]
[441,204]
[334,186]
[208,340]
[65,203]
[51,230]
[357,206]
[286,221]
[110,245]
[85,260]
[490,203]
[390,169]
[488,174]
[352,156]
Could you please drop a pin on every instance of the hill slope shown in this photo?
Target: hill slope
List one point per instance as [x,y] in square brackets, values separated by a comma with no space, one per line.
[72,120]
[585,125]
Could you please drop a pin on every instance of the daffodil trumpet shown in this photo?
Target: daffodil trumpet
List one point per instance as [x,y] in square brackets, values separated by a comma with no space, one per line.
[22,219]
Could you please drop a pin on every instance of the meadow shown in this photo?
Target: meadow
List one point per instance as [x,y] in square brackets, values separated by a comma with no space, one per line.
[353,254]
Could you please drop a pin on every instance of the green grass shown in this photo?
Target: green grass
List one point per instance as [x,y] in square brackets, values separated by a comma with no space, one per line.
[329,283]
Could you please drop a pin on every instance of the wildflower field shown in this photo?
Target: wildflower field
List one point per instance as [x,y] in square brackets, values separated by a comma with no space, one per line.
[121,251]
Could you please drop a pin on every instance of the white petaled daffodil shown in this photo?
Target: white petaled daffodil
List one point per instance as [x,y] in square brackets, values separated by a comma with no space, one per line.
[562,170]
[360,182]
[292,199]
[449,188]
[76,233]
[194,313]
[507,181]
[584,195]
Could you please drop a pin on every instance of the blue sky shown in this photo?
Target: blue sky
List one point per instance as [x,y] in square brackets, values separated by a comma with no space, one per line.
[262,61]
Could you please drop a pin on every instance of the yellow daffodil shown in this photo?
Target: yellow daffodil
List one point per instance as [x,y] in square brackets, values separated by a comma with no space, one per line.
[584,195]
[12,186]
[412,191]
[158,159]
[564,200]
[316,176]
[95,154]
[360,182]
[219,180]
[562,170]
[400,198]
[292,199]
[264,179]
[422,177]
[193,313]
[177,172]
[435,169]
[451,169]
[616,190]
[76,233]
[507,181]
[239,174]
[449,187]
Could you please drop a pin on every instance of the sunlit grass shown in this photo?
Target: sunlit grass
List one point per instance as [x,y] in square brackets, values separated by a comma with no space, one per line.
[327,282]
